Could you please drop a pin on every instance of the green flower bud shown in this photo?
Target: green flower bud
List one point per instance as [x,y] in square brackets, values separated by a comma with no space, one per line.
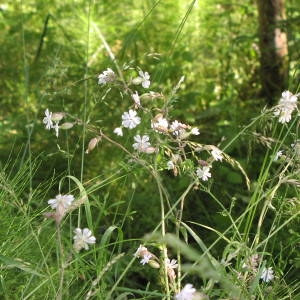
[66,125]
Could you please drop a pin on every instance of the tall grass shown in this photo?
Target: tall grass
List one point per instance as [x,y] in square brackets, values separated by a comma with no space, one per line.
[141,198]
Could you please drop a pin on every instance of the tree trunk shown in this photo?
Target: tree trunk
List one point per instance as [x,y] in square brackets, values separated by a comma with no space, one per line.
[273,49]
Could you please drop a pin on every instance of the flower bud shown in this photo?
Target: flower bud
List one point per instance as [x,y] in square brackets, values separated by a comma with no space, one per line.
[153,264]
[57,116]
[203,163]
[92,144]
[151,96]
[137,81]
[66,125]
[150,150]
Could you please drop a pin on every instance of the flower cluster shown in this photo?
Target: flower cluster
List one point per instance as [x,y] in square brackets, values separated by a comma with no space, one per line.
[287,104]
[61,204]
[176,131]
[146,257]
[51,121]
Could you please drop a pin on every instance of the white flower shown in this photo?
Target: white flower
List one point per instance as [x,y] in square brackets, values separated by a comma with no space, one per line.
[186,293]
[107,76]
[287,104]
[203,173]
[217,154]
[170,165]
[160,124]
[142,143]
[195,131]
[130,119]
[141,250]
[47,120]
[278,155]
[267,274]
[145,79]
[118,131]
[83,238]
[64,200]
[146,258]
[172,263]
[136,99]
[178,128]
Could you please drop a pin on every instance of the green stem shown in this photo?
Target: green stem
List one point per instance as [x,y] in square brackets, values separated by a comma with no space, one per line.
[61,263]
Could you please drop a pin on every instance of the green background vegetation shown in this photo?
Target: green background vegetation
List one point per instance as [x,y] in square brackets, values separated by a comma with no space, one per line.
[51,54]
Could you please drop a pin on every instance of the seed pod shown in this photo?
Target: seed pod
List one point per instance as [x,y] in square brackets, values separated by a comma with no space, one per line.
[92,144]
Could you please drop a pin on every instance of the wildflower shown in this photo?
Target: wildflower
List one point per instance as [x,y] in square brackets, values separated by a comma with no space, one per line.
[217,154]
[267,274]
[141,250]
[287,104]
[170,165]
[83,238]
[118,131]
[172,263]
[203,173]
[61,203]
[130,119]
[48,119]
[64,200]
[136,99]
[160,124]
[278,155]
[178,128]
[107,76]
[145,77]
[195,131]
[146,258]
[186,293]
[142,143]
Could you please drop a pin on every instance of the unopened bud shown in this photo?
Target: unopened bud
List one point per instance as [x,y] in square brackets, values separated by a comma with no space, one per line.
[203,163]
[92,144]
[150,150]
[184,135]
[137,81]
[150,96]
[66,125]
[154,264]
[57,116]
